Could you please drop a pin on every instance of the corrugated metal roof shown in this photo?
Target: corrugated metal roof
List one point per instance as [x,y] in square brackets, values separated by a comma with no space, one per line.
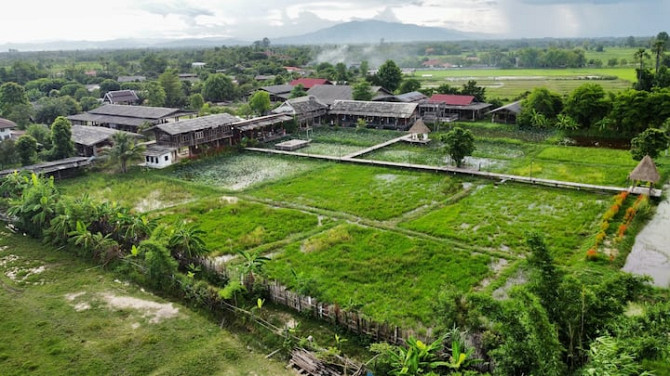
[308,83]
[185,126]
[413,96]
[277,89]
[452,100]
[514,107]
[261,122]
[107,119]
[89,135]
[135,111]
[6,123]
[381,109]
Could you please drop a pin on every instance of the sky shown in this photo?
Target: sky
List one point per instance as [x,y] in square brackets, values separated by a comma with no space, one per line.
[38,20]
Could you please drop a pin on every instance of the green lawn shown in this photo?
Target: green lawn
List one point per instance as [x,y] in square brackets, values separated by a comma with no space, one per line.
[497,217]
[62,316]
[231,225]
[369,192]
[387,276]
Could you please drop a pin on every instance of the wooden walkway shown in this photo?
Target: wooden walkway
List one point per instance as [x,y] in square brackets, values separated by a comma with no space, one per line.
[462,171]
[375,147]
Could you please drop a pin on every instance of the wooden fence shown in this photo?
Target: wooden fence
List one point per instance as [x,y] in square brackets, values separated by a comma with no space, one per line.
[353,321]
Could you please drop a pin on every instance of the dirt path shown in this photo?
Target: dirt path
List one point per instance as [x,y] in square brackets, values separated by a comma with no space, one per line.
[651,251]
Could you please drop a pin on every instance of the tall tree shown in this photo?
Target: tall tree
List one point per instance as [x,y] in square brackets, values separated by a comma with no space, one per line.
[410,85]
[155,94]
[389,75]
[218,87]
[26,146]
[660,45]
[588,104]
[260,102]
[298,91]
[196,101]
[124,149]
[174,95]
[471,88]
[459,143]
[362,91]
[11,94]
[61,136]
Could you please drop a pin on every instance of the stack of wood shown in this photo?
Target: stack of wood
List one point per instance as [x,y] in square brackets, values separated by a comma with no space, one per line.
[306,363]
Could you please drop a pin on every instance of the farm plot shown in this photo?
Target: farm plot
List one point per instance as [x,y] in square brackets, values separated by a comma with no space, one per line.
[63,317]
[387,276]
[231,225]
[497,217]
[236,172]
[352,136]
[139,190]
[369,192]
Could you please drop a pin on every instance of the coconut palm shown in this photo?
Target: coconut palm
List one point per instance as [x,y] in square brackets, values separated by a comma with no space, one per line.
[124,150]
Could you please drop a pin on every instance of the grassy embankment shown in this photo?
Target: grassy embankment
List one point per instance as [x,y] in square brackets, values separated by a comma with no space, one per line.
[65,316]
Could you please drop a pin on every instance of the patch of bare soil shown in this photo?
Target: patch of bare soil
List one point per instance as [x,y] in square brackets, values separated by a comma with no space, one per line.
[156,312]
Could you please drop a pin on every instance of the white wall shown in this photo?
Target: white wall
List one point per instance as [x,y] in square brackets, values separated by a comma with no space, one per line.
[160,161]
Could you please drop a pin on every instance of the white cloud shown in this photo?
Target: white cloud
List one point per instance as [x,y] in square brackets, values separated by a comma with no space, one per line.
[38,20]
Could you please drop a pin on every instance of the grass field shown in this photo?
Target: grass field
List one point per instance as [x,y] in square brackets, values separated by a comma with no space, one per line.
[507,84]
[231,225]
[497,217]
[373,193]
[388,276]
[65,317]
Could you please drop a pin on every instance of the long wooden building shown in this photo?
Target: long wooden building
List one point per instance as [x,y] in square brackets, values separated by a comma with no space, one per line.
[390,115]
[210,131]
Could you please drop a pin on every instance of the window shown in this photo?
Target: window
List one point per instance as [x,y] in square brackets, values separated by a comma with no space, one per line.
[185,138]
[166,158]
[199,135]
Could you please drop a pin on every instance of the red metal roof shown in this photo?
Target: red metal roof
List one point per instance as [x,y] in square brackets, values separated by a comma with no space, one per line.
[307,83]
[451,99]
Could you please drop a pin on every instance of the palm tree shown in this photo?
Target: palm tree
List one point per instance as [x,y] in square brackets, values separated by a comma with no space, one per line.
[124,150]
[640,55]
[658,48]
[252,264]
[186,242]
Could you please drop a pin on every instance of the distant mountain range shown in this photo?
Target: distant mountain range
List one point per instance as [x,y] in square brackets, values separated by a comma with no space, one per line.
[354,32]
[372,31]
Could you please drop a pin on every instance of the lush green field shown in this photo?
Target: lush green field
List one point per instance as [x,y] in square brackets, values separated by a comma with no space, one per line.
[507,84]
[231,225]
[388,276]
[64,317]
[368,192]
[497,217]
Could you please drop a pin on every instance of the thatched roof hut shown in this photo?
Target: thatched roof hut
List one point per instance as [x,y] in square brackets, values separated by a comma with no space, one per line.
[419,128]
[645,171]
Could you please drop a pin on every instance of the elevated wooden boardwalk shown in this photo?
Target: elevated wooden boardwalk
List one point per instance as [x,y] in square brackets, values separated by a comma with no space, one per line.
[462,171]
[375,147]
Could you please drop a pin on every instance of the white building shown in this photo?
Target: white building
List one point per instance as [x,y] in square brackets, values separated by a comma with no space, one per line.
[6,127]
[157,156]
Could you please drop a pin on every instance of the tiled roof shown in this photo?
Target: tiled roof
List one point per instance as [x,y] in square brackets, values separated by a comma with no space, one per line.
[185,126]
[5,123]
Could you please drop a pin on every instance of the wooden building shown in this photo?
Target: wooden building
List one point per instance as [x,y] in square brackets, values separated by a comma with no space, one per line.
[196,134]
[328,94]
[89,140]
[121,97]
[262,129]
[506,114]
[126,118]
[390,115]
[449,107]
[278,93]
[307,111]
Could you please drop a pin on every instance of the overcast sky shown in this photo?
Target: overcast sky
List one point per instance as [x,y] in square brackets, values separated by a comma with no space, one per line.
[43,20]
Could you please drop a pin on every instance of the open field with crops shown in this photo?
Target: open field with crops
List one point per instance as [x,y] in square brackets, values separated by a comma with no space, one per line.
[373,238]
[63,316]
[510,83]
